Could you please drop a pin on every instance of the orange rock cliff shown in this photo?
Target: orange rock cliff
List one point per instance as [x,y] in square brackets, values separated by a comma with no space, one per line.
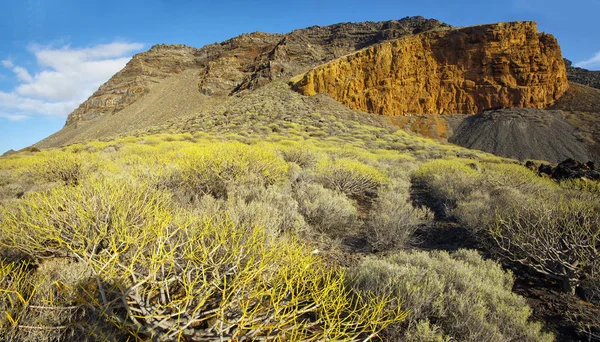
[464,70]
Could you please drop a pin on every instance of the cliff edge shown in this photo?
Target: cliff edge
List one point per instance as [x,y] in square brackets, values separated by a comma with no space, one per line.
[465,70]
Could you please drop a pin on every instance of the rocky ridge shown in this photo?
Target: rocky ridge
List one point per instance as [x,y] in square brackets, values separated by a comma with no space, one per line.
[583,76]
[466,70]
[242,63]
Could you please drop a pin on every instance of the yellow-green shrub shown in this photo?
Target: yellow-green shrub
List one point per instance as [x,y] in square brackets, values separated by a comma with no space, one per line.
[16,291]
[210,169]
[447,181]
[158,273]
[349,176]
[301,154]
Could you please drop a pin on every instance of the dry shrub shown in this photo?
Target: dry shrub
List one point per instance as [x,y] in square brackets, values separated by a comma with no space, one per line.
[253,204]
[393,218]
[455,296]
[327,211]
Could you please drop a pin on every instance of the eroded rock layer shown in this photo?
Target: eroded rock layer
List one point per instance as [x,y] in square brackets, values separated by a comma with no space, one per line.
[466,70]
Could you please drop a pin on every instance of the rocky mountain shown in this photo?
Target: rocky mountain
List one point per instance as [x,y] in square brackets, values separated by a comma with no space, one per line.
[242,63]
[421,74]
[464,70]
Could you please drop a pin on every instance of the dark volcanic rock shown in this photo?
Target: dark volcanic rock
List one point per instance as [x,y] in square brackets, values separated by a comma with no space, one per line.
[570,169]
[521,133]
[582,76]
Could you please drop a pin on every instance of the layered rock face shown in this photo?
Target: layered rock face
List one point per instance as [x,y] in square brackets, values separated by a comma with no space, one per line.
[246,62]
[466,70]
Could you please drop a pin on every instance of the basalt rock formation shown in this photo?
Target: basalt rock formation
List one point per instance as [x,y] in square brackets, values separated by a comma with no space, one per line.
[466,70]
[246,62]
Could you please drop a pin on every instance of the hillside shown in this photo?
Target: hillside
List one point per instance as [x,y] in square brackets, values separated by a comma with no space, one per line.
[177,80]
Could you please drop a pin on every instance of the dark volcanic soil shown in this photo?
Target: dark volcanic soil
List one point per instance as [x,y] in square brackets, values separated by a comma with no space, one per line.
[522,133]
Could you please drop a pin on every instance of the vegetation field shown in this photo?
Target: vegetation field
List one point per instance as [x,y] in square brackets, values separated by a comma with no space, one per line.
[285,231]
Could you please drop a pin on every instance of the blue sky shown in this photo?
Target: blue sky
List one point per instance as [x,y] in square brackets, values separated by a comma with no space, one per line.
[55,53]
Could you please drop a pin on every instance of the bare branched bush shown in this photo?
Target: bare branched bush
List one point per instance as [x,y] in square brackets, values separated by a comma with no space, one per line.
[556,235]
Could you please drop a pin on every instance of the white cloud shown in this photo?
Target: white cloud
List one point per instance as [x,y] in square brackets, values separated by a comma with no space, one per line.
[11,117]
[67,76]
[592,63]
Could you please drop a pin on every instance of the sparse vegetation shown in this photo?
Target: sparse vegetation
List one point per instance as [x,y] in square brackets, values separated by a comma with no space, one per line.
[522,217]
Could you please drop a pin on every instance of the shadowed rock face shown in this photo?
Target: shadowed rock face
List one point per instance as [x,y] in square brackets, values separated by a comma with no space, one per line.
[465,70]
[246,62]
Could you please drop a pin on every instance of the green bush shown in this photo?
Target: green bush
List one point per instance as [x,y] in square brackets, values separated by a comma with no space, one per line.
[455,296]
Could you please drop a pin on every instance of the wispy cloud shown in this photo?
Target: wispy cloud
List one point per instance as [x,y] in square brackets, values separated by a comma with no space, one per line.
[592,63]
[66,77]
[12,117]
